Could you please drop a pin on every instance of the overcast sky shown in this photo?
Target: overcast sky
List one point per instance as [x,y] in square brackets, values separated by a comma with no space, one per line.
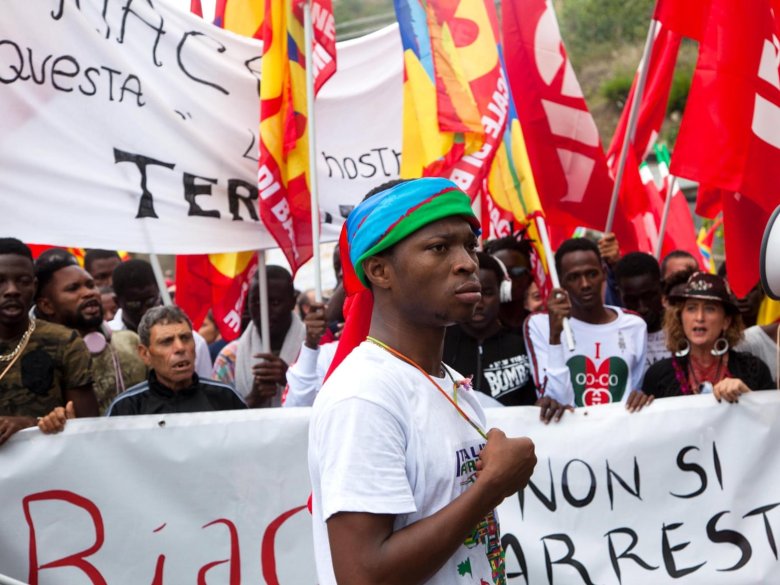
[208,6]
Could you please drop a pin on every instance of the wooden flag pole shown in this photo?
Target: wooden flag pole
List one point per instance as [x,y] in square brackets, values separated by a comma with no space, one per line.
[262,281]
[308,28]
[628,139]
[541,227]
[667,206]
[160,278]
[156,267]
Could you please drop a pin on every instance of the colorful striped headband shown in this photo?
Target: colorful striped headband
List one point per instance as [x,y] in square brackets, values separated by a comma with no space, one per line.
[388,217]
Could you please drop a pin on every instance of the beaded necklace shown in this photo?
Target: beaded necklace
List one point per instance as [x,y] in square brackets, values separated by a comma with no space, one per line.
[428,377]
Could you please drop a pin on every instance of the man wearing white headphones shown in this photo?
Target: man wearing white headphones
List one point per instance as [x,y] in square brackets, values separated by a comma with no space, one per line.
[514,257]
[487,350]
[67,295]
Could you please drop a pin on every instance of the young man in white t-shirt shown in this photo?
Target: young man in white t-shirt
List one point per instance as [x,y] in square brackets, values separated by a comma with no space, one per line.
[405,482]
[608,359]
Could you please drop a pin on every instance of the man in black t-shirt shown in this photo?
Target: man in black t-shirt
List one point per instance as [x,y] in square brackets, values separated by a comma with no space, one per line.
[487,350]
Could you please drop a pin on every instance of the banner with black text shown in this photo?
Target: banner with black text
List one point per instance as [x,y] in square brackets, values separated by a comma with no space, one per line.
[682,492]
[133,125]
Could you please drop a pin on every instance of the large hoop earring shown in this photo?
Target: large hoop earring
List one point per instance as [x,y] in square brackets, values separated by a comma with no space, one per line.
[684,350]
[721,347]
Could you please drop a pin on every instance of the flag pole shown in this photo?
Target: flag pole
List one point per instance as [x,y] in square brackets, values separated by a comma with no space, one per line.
[6,580]
[154,260]
[160,278]
[541,227]
[667,206]
[308,29]
[628,139]
[262,283]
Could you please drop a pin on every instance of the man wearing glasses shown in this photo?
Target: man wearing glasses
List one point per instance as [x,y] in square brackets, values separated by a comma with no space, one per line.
[136,292]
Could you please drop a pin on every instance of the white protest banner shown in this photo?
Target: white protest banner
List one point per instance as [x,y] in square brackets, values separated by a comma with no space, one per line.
[127,125]
[684,492]
[359,113]
[133,125]
[198,498]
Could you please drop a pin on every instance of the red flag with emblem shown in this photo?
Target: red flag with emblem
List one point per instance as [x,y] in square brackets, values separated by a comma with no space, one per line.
[564,147]
[730,135]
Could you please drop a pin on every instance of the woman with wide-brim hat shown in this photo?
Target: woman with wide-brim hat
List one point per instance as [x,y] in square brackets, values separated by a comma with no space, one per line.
[702,325]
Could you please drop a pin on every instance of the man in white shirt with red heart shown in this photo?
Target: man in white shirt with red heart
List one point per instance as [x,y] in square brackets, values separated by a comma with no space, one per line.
[608,359]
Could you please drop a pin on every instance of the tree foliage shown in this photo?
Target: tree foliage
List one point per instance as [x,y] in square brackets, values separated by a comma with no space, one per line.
[589,23]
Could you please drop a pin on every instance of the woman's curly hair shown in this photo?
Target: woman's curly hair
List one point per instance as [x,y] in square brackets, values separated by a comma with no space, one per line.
[675,335]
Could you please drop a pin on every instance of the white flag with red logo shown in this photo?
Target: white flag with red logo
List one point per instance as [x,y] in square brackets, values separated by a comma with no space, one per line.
[730,135]
[564,147]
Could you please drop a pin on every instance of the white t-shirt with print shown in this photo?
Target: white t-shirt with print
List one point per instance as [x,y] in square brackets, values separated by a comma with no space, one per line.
[383,440]
[608,361]
[656,348]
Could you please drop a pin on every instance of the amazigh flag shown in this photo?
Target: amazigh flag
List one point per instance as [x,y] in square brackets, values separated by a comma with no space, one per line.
[283,174]
[455,96]
[705,241]
[219,282]
[730,134]
[564,147]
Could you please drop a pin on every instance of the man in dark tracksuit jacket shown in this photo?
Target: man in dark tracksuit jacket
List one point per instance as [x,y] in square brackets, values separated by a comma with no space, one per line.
[168,349]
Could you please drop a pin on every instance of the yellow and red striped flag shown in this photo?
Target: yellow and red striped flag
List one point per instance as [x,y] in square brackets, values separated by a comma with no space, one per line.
[283,173]
[219,281]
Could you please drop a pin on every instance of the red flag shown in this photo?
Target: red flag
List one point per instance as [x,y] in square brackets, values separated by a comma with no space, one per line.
[652,108]
[730,135]
[743,228]
[563,142]
[219,282]
[708,201]
[680,228]
[685,17]
[196,7]
[641,203]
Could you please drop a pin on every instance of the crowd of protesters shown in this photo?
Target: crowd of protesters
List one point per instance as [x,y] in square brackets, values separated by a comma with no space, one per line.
[82,341]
